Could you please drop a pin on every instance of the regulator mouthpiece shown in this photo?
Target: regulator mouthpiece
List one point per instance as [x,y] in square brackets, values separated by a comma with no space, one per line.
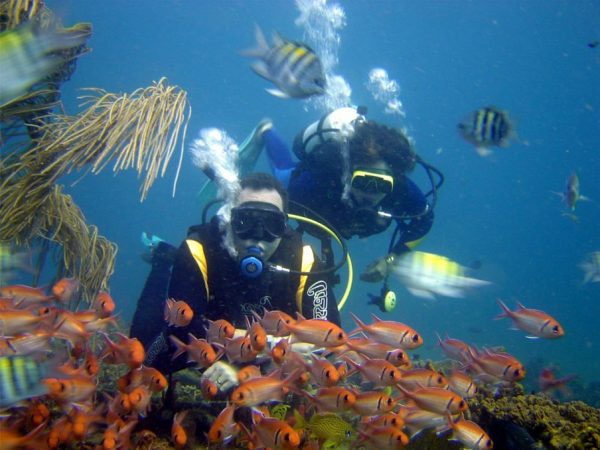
[251,264]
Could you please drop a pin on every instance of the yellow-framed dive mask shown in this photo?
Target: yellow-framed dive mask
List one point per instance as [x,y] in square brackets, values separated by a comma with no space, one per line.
[371,182]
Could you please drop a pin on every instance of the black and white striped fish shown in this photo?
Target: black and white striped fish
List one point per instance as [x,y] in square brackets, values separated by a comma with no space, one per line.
[292,66]
[487,127]
[20,379]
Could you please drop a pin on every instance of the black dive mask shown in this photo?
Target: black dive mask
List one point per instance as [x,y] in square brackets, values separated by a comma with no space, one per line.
[259,221]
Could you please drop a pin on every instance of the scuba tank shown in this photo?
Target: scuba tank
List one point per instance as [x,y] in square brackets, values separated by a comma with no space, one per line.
[336,126]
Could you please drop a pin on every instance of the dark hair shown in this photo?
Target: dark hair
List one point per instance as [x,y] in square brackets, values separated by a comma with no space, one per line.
[263,181]
[373,142]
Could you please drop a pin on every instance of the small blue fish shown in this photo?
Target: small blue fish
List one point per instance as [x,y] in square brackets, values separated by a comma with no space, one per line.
[591,268]
[292,66]
[487,127]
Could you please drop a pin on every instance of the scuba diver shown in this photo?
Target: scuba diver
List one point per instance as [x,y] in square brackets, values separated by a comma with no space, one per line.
[248,261]
[352,172]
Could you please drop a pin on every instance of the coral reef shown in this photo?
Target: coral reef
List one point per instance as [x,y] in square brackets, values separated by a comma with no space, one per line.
[553,425]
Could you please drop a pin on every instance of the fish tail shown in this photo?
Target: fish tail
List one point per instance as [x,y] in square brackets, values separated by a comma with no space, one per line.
[179,346]
[262,46]
[506,311]
[360,323]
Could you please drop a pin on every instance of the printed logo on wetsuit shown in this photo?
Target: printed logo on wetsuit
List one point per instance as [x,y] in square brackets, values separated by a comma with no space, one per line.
[263,303]
[318,291]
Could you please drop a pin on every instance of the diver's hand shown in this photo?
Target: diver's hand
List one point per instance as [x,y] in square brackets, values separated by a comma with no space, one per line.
[223,375]
[378,269]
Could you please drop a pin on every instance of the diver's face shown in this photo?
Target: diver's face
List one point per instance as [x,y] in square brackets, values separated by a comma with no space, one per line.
[266,196]
[362,198]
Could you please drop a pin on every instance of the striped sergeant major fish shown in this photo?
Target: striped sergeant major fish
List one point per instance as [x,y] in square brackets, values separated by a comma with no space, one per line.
[28,54]
[487,127]
[291,66]
[20,379]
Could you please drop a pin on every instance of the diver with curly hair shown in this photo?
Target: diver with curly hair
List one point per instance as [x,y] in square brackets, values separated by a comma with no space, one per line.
[353,173]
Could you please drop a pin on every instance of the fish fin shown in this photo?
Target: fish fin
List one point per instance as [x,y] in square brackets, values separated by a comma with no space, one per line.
[421,293]
[483,151]
[506,311]
[261,69]
[277,93]
[262,46]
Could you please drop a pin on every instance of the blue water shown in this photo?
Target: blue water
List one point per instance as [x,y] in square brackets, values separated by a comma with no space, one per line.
[530,58]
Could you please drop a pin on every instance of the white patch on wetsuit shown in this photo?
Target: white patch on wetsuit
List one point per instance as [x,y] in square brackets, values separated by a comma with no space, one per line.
[318,291]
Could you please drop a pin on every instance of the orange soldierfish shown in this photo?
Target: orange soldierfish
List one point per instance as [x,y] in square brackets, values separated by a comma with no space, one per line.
[14,322]
[376,350]
[178,434]
[262,389]
[274,322]
[198,350]
[143,376]
[462,384]
[178,313]
[322,371]
[378,371]
[219,330]
[436,400]
[129,351]
[24,296]
[371,403]
[332,399]
[248,372]
[208,388]
[455,348]
[258,335]
[104,304]
[548,381]
[224,428]
[533,321]
[321,333]
[274,433]
[280,351]
[67,391]
[469,434]
[389,437]
[65,289]
[389,332]
[140,400]
[421,377]
[500,366]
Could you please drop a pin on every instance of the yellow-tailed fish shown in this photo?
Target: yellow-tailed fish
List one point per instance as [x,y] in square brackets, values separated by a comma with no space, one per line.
[28,55]
[427,274]
[328,428]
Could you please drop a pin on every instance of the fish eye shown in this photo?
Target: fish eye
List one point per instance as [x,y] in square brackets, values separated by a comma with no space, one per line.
[440,380]
[348,433]
[461,404]
[489,443]
[415,338]
[286,437]
[517,372]
[341,335]
[555,329]
[219,434]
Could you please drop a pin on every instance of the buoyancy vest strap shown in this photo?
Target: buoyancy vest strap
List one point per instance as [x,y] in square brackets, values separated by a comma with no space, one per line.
[197,251]
[308,259]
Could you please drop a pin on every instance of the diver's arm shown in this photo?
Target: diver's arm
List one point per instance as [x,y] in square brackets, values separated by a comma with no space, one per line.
[413,230]
[279,155]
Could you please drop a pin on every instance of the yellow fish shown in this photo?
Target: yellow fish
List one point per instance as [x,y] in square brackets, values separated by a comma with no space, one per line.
[330,428]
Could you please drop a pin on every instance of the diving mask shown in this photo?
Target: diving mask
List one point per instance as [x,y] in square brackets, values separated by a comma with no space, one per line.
[259,221]
[372,181]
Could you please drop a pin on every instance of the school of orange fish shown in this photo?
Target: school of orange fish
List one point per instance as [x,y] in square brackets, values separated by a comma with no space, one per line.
[393,402]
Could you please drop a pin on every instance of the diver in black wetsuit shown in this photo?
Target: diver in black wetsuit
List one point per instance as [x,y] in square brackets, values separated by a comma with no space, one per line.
[225,270]
[352,172]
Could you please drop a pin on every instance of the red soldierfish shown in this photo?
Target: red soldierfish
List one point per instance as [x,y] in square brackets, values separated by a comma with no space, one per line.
[389,332]
[533,321]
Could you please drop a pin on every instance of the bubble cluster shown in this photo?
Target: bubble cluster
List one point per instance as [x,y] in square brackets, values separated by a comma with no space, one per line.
[216,153]
[385,91]
[321,23]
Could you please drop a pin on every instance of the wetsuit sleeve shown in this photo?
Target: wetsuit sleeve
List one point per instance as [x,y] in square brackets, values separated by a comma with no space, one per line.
[279,155]
[318,300]
[412,230]
[186,284]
